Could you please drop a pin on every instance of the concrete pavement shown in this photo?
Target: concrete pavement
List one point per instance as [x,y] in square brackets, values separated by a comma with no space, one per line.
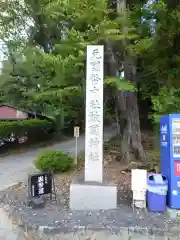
[16,168]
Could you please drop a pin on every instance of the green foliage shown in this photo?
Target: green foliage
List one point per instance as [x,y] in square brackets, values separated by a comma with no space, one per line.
[159,51]
[120,84]
[167,102]
[19,128]
[51,80]
[45,70]
[54,160]
[142,45]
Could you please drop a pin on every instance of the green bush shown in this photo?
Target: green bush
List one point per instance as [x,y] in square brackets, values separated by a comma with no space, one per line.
[20,127]
[54,160]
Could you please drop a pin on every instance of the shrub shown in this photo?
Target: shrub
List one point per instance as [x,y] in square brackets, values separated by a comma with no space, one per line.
[20,127]
[54,160]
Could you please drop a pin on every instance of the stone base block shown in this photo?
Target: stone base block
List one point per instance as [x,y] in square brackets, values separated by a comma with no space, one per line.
[36,202]
[92,195]
[174,214]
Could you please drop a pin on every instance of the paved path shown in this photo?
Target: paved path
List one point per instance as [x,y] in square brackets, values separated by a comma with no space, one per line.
[16,168]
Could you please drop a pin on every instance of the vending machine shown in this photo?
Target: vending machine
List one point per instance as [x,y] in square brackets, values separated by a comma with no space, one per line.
[170,156]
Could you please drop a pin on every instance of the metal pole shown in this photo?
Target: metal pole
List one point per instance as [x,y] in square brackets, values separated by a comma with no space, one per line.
[76,156]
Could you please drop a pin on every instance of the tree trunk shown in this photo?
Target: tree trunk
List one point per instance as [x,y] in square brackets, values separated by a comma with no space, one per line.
[127,105]
[131,133]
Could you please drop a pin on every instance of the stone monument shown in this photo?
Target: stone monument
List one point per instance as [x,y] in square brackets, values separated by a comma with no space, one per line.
[92,192]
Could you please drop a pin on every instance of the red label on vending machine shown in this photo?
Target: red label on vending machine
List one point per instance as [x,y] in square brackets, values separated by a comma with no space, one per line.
[177,168]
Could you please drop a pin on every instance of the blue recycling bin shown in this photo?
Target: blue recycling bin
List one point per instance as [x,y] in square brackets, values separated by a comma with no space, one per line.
[157,186]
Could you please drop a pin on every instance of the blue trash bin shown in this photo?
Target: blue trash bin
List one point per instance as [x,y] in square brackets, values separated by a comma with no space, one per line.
[157,186]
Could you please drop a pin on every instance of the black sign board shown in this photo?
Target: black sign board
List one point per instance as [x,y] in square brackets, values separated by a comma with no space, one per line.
[40,184]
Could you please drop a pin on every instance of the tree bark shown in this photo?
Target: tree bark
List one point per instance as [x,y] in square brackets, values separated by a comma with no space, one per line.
[127,105]
[132,132]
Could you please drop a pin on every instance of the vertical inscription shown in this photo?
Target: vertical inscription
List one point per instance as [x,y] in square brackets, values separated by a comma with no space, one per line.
[94,113]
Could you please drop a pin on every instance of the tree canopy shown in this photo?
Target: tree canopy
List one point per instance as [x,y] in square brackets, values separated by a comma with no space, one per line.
[45,54]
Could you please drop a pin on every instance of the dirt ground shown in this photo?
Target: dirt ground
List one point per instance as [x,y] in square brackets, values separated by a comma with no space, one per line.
[115,169]
[112,172]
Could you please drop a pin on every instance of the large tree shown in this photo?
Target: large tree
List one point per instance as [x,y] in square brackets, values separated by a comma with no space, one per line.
[126,102]
[51,70]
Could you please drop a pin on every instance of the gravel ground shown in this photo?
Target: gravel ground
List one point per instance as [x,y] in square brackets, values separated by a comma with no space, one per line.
[56,213]
[56,218]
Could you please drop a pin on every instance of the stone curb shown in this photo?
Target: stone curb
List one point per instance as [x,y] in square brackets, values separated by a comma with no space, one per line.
[43,231]
[130,230]
[40,231]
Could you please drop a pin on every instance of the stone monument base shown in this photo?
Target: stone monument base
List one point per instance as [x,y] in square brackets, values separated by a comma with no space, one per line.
[174,214]
[92,195]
